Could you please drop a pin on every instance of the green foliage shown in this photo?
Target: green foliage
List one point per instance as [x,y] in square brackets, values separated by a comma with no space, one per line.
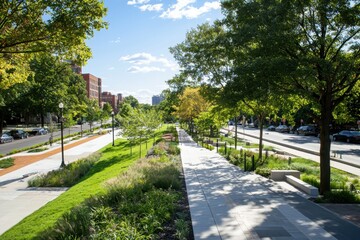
[265,172]
[342,196]
[67,176]
[135,206]
[38,150]
[6,162]
[41,26]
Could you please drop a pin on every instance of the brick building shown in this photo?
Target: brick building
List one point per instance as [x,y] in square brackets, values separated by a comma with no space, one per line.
[111,99]
[93,87]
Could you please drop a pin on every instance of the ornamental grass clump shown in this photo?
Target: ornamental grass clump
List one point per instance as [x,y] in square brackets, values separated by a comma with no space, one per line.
[67,176]
[6,162]
[135,206]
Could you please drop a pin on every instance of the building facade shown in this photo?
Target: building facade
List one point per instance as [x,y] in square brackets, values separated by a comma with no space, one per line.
[156,99]
[107,97]
[93,87]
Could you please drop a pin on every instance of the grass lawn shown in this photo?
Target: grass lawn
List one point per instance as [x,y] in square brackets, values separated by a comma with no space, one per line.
[113,161]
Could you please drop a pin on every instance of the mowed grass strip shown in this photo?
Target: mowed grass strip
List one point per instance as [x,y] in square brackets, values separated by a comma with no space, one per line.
[113,161]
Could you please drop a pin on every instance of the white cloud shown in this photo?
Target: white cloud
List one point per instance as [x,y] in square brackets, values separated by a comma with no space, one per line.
[117,40]
[136,2]
[111,68]
[184,9]
[151,7]
[145,62]
[145,69]
[142,95]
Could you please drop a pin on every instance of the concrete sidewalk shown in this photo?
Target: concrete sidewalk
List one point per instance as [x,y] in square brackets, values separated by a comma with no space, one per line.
[226,203]
[18,201]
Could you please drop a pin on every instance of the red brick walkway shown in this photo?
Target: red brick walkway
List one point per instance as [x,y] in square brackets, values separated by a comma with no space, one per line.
[21,161]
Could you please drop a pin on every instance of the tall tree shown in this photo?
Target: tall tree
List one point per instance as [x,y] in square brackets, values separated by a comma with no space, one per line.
[191,104]
[134,103]
[311,50]
[59,26]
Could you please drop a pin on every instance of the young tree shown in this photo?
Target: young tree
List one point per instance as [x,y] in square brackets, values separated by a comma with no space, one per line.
[93,112]
[105,112]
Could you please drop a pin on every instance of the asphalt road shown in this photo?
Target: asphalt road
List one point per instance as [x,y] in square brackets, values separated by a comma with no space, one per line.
[33,140]
[349,152]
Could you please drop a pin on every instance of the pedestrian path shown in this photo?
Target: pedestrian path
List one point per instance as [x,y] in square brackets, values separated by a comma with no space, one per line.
[18,201]
[226,203]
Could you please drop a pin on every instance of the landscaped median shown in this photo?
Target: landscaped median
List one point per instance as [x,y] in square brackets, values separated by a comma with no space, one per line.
[121,197]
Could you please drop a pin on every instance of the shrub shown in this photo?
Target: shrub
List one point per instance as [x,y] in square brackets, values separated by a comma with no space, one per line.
[38,150]
[265,172]
[6,162]
[67,176]
[135,206]
[342,196]
[310,179]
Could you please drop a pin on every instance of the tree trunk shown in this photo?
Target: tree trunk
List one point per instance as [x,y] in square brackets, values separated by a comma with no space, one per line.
[325,120]
[261,137]
[1,121]
[42,119]
[235,132]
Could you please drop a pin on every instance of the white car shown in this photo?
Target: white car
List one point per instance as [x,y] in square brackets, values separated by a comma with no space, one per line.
[6,138]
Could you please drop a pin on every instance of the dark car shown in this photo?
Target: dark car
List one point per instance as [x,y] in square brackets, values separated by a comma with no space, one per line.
[18,134]
[307,130]
[347,136]
[39,131]
[282,129]
[271,128]
[6,138]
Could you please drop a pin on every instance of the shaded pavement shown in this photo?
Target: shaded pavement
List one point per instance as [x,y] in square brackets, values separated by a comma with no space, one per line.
[227,203]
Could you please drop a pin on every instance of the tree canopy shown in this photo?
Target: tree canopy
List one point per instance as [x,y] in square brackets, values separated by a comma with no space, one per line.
[60,27]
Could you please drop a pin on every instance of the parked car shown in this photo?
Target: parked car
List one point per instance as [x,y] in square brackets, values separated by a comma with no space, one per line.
[307,130]
[282,128]
[6,138]
[18,134]
[39,131]
[271,128]
[347,136]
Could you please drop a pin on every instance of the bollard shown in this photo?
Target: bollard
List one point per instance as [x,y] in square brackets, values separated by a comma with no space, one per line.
[225,148]
[244,162]
[266,154]
[217,145]
[289,161]
[253,162]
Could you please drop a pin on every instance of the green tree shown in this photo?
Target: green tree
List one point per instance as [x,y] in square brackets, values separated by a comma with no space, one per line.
[310,49]
[93,112]
[60,27]
[134,103]
[105,112]
[191,104]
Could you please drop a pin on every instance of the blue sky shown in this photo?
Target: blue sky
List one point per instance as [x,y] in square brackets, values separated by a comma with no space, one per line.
[132,56]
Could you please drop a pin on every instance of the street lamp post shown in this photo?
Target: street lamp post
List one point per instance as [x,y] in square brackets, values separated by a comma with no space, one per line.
[113,133]
[61,106]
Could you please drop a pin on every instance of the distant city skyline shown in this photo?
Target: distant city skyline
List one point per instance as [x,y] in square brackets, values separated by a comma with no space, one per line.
[132,57]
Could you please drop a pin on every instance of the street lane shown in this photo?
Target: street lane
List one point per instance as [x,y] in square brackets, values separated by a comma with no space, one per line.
[347,152]
[34,140]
